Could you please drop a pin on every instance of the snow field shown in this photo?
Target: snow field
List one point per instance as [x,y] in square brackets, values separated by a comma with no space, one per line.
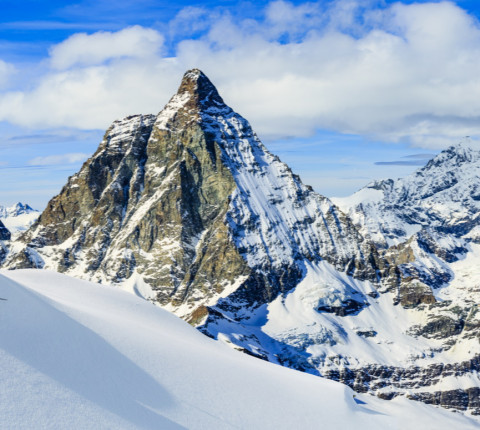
[78,355]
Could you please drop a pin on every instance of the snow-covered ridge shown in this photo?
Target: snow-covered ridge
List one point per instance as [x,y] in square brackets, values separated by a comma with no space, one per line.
[15,210]
[76,355]
[444,194]
[122,131]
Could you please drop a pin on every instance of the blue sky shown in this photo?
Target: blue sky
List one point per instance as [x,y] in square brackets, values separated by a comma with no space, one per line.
[344,91]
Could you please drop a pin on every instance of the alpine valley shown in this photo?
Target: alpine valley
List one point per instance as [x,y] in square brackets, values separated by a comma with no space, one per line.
[190,211]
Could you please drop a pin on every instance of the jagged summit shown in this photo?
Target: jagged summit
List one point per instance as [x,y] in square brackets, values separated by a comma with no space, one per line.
[444,194]
[455,156]
[15,210]
[196,101]
[199,89]
[18,218]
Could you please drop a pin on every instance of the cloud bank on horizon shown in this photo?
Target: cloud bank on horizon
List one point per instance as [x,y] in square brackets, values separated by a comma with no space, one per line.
[398,72]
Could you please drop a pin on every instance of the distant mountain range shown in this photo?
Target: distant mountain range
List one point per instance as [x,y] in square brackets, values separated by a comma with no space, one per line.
[189,210]
[18,218]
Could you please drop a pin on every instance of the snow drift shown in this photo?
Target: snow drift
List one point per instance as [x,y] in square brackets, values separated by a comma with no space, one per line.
[78,355]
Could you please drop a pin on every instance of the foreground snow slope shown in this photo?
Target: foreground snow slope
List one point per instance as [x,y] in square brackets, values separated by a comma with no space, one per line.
[76,355]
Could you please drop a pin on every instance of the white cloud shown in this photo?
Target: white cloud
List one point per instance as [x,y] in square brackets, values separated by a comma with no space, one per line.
[6,71]
[401,73]
[50,160]
[191,19]
[83,49]
[284,17]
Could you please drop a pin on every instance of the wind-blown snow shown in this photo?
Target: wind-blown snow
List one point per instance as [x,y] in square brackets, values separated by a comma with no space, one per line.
[77,355]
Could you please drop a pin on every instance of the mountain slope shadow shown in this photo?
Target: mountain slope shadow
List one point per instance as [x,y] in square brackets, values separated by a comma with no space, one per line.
[76,357]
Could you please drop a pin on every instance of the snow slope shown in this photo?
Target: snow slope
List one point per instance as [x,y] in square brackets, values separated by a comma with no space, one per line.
[76,355]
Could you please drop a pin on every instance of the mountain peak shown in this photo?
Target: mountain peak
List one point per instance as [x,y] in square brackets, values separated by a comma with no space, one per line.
[466,151]
[195,97]
[16,210]
[20,206]
[199,88]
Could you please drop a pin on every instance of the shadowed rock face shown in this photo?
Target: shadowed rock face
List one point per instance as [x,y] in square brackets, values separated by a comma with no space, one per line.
[4,233]
[389,381]
[192,202]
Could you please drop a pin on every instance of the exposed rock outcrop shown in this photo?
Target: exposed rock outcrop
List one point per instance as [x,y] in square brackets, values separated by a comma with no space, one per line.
[189,206]
[4,233]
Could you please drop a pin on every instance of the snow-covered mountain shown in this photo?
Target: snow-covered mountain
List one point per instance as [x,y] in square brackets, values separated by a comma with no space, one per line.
[78,356]
[429,226]
[428,222]
[189,210]
[18,218]
[443,196]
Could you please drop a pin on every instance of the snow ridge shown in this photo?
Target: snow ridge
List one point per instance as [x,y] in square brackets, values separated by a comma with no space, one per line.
[445,195]
[274,218]
[104,359]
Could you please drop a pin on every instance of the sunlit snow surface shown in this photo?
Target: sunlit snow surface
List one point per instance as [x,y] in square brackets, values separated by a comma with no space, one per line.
[78,355]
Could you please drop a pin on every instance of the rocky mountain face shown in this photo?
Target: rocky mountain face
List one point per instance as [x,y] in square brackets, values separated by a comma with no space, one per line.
[191,206]
[4,232]
[5,235]
[188,209]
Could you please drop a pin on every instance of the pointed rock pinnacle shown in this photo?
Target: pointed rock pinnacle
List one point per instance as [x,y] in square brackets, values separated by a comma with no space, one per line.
[201,90]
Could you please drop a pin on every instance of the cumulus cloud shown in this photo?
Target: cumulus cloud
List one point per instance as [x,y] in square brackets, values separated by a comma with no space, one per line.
[284,18]
[50,160]
[83,49]
[190,20]
[402,73]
